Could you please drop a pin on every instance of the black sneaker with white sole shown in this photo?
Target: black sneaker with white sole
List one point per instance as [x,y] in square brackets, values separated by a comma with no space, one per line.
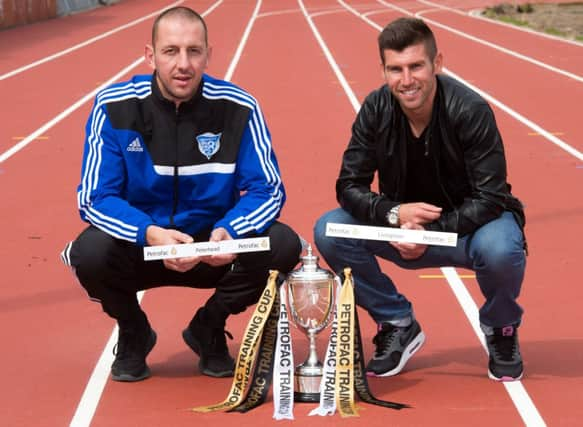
[394,347]
[505,362]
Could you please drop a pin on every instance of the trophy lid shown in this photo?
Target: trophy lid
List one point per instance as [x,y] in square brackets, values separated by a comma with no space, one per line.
[310,270]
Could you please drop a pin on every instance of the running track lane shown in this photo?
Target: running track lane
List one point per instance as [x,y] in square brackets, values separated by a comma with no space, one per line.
[551,239]
[561,54]
[335,24]
[40,216]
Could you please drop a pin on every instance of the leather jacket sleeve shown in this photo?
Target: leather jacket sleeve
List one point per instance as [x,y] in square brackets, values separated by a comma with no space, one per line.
[485,165]
[360,162]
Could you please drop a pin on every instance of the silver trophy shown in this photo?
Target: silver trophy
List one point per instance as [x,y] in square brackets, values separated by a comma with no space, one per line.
[311,299]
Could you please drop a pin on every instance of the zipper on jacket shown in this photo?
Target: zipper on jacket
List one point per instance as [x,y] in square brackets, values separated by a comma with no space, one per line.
[175,201]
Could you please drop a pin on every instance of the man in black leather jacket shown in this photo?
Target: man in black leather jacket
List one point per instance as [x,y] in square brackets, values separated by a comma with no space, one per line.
[436,148]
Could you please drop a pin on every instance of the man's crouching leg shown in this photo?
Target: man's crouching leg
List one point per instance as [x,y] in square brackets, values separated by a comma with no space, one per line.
[239,288]
[105,267]
[499,260]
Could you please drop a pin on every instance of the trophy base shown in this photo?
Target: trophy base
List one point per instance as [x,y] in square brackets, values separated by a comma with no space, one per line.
[307,383]
[306,397]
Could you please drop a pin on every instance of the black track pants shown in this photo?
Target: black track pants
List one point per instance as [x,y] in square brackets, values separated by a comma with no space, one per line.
[113,270]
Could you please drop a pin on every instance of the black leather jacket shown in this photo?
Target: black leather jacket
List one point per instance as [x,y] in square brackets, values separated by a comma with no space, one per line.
[464,142]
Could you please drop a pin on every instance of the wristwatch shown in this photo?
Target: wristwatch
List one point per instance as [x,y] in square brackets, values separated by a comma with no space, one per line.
[393,216]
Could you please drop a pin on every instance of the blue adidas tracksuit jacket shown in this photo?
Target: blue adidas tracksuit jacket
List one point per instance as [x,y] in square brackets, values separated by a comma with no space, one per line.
[207,164]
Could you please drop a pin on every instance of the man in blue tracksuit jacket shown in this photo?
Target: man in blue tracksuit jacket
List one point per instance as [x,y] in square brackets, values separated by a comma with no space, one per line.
[177,157]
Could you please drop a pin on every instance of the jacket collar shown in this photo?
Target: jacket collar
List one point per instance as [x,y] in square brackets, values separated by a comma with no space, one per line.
[166,103]
[396,120]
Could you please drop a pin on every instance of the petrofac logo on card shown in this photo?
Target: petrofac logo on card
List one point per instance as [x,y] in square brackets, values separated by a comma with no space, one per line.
[388,234]
[340,230]
[447,239]
[150,253]
[248,245]
[255,244]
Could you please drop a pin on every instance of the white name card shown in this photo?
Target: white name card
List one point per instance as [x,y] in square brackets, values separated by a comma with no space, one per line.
[389,234]
[181,250]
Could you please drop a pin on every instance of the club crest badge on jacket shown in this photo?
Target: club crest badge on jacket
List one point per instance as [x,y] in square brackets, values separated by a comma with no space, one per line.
[209,143]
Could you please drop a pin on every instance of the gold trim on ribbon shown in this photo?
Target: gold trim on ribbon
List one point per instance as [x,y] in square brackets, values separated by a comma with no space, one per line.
[345,349]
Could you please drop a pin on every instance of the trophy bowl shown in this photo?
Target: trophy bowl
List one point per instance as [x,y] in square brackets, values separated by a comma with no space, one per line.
[311,299]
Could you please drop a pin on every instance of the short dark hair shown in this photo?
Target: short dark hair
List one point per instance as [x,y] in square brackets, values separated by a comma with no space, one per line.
[404,32]
[182,11]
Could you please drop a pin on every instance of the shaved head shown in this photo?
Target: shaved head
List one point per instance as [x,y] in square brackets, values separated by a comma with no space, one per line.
[182,13]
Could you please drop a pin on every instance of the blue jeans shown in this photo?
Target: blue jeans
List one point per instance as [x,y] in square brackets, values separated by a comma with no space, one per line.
[495,252]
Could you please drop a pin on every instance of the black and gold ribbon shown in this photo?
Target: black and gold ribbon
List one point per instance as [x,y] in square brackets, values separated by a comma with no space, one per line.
[360,381]
[345,350]
[263,372]
[247,351]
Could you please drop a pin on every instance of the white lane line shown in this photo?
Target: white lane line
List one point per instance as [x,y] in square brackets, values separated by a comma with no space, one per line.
[476,14]
[351,96]
[239,51]
[486,43]
[518,394]
[85,43]
[535,127]
[515,389]
[96,384]
[94,388]
[40,131]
